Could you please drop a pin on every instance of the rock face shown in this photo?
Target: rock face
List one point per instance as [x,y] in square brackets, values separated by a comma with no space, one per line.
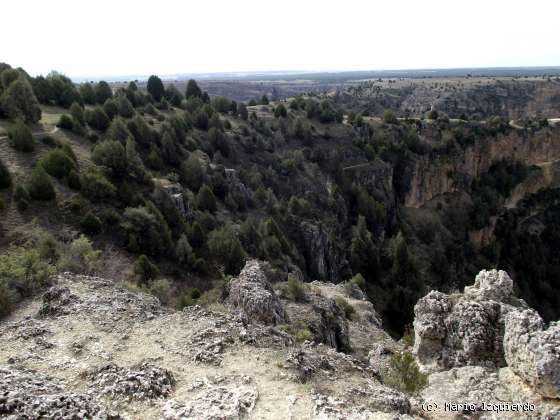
[533,352]
[252,293]
[324,258]
[433,177]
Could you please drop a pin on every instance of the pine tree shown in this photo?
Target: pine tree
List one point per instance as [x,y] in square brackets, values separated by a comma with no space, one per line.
[205,200]
[103,92]
[184,252]
[145,270]
[192,90]
[363,253]
[155,87]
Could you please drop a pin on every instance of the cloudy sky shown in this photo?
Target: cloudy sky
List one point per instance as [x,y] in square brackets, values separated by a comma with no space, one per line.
[119,38]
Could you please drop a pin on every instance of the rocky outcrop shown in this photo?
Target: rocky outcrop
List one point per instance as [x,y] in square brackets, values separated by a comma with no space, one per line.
[26,394]
[533,352]
[465,329]
[252,293]
[324,319]
[487,326]
[143,381]
[224,398]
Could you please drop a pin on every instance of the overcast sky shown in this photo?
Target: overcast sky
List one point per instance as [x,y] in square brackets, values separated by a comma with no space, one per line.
[102,38]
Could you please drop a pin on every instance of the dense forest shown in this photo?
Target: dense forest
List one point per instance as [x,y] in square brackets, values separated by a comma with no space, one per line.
[186,187]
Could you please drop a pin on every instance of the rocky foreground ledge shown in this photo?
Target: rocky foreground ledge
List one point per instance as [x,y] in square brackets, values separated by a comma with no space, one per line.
[91,349]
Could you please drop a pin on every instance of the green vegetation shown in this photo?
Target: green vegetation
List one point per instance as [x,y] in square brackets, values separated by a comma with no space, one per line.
[404,374]
[17,99]
[40,185]
[5,176]
[343,304]
[144,270]
[21,137]
[22,273]
[155,88]
[57,163]
[91,224]
[295,289]
[200,184]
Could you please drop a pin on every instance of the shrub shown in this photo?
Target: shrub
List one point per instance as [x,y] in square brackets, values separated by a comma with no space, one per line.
[359,281]
[184,301]
[22,272]
[58,164]
[408,335]
[195,294]
[77,112]
[91,224]
[74,180]
[21,137]
[65,122]
[110,108]
[280,111]
[80,257]
[224,244]
[40,185]
[205,199]
[295,289]
[5,176]
[343,304]
[184,252]
[97,118]
[147,230]
[48,247]
[200,119]
[404,373]
[111,154]
[125,108]
[21,197]
[192,173]
[389,117]
[298,330]
[144,270]
[103,92]
[161,289]
[95,185]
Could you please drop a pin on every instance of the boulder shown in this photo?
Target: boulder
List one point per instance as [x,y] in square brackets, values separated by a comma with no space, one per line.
[491,285]
[465,329]
[252,293]
[533,352]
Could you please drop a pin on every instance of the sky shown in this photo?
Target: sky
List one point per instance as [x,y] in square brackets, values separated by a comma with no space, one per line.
[120,37]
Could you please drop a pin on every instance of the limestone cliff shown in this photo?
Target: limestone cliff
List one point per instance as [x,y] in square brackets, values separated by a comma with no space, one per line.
[446,174]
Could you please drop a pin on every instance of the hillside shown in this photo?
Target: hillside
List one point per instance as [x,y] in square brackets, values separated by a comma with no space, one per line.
[175,190]
[272,258]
